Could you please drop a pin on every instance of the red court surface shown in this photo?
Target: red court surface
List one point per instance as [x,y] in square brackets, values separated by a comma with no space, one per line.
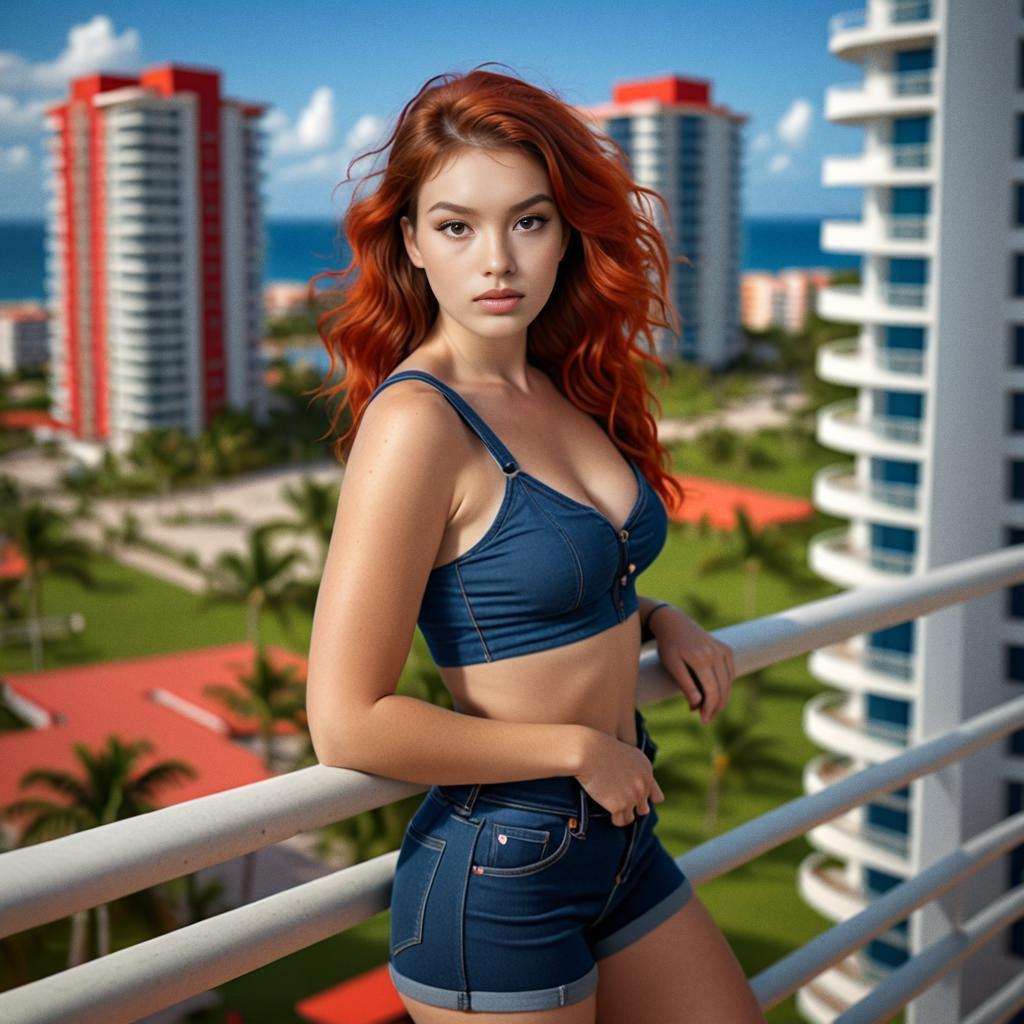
[368,998]
[718,498]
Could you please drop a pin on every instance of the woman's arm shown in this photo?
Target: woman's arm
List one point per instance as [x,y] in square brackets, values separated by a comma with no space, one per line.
[392,512]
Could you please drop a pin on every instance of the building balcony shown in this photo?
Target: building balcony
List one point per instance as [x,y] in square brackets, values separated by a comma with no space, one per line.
[838,491]
[894,165]
[827,888]
[892,25]
[832,721]
[865,844]
[855,666]
[889,303]
[835,557]
[844,361]
[889,235]
[840,426]
[824,770]
[886,94]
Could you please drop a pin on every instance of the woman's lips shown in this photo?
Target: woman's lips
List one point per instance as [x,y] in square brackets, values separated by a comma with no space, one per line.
[500,305]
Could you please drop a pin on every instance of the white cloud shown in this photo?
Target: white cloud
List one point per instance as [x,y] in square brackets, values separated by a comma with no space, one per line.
[794,126]
[14,158]
[21,119]
[313,130]
[761,142]
[366,133]
[779,163]
[93,46]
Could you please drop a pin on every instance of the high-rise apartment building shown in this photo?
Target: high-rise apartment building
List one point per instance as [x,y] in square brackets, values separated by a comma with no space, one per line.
[688,149]
[154,255]
[935,438]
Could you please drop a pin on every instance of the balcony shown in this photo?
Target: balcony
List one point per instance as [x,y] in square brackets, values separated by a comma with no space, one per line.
[892,25]
[838,491]
[840,426]
[893,165]
[885,94]
[833,555]
[50,880]
[843,361]
[832,723]
[856,667]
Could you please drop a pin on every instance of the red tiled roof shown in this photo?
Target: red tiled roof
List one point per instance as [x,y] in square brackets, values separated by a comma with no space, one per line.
[24,419]
[717,498]
[87,703]
[12,561]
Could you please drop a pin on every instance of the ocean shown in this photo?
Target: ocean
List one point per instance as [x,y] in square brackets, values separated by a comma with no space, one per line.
[298,249]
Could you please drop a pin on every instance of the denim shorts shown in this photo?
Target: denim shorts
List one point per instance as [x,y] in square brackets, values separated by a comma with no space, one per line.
[507,894]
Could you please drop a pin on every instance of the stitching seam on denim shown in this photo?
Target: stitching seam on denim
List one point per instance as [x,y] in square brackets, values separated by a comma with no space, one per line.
[469,608]
[571,547]
[437,844]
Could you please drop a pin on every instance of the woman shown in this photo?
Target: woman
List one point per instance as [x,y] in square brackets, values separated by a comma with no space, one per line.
[489,343]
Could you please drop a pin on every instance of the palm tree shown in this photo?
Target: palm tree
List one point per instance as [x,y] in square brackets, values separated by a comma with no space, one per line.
[269,695]
[40,535]
[753,550]
[258,579]
[731,750]
[315,505]
[108,792]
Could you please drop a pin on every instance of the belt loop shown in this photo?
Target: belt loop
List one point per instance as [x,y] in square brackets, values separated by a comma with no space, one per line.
[466,808]
[581,833]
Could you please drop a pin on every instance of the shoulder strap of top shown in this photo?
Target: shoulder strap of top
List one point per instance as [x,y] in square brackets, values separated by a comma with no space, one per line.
[500,453]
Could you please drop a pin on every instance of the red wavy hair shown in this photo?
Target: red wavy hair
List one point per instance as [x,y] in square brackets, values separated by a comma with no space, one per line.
[611,286]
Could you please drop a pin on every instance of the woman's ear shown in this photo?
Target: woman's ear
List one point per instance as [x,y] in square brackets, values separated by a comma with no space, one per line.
[409,236]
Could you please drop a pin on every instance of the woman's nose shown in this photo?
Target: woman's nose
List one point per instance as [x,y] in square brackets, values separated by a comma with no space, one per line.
[499,255]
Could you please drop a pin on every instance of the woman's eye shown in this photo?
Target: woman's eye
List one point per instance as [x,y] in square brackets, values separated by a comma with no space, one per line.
[461,224]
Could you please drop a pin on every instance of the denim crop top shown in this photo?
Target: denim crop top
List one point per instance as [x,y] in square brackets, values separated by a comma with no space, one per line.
[549,570]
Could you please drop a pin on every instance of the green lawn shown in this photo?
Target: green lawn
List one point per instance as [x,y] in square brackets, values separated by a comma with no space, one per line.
[130,614]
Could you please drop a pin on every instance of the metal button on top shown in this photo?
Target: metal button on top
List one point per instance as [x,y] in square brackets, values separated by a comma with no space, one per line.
[623,534]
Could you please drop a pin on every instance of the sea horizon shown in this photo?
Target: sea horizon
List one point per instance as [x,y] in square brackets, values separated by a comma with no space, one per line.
[299,247]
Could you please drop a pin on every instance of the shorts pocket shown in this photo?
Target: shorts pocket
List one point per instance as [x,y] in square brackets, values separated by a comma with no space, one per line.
[418,861]
[521,842]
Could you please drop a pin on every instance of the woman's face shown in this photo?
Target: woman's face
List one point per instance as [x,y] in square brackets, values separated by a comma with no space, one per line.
[487,220]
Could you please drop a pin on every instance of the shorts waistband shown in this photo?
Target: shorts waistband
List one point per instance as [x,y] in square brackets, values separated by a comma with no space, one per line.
[559,794]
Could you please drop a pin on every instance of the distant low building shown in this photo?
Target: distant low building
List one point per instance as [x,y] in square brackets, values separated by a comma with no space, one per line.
[24,337]
[780,300]
[285,298]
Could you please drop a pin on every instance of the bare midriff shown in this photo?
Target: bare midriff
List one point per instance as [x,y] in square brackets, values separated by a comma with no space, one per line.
[589,682]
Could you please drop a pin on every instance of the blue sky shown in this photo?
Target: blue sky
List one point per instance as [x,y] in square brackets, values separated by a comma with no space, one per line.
[336,74]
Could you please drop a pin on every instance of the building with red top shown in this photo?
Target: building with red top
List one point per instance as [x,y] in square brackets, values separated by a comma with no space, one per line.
[688,149]
[155,255]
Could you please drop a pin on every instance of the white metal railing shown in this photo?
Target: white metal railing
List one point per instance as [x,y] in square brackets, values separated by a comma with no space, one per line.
[897,428]
[899,664]
[900,360]
[901,11]
[51,880]
[894,493]
[913,83]
[912,295]
[911,154]
[909,227]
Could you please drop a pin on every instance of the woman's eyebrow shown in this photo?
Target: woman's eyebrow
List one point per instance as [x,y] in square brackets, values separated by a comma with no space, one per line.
[538,198]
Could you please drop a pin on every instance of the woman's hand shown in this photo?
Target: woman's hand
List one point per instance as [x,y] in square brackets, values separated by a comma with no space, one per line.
[687,650]
[619,776]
